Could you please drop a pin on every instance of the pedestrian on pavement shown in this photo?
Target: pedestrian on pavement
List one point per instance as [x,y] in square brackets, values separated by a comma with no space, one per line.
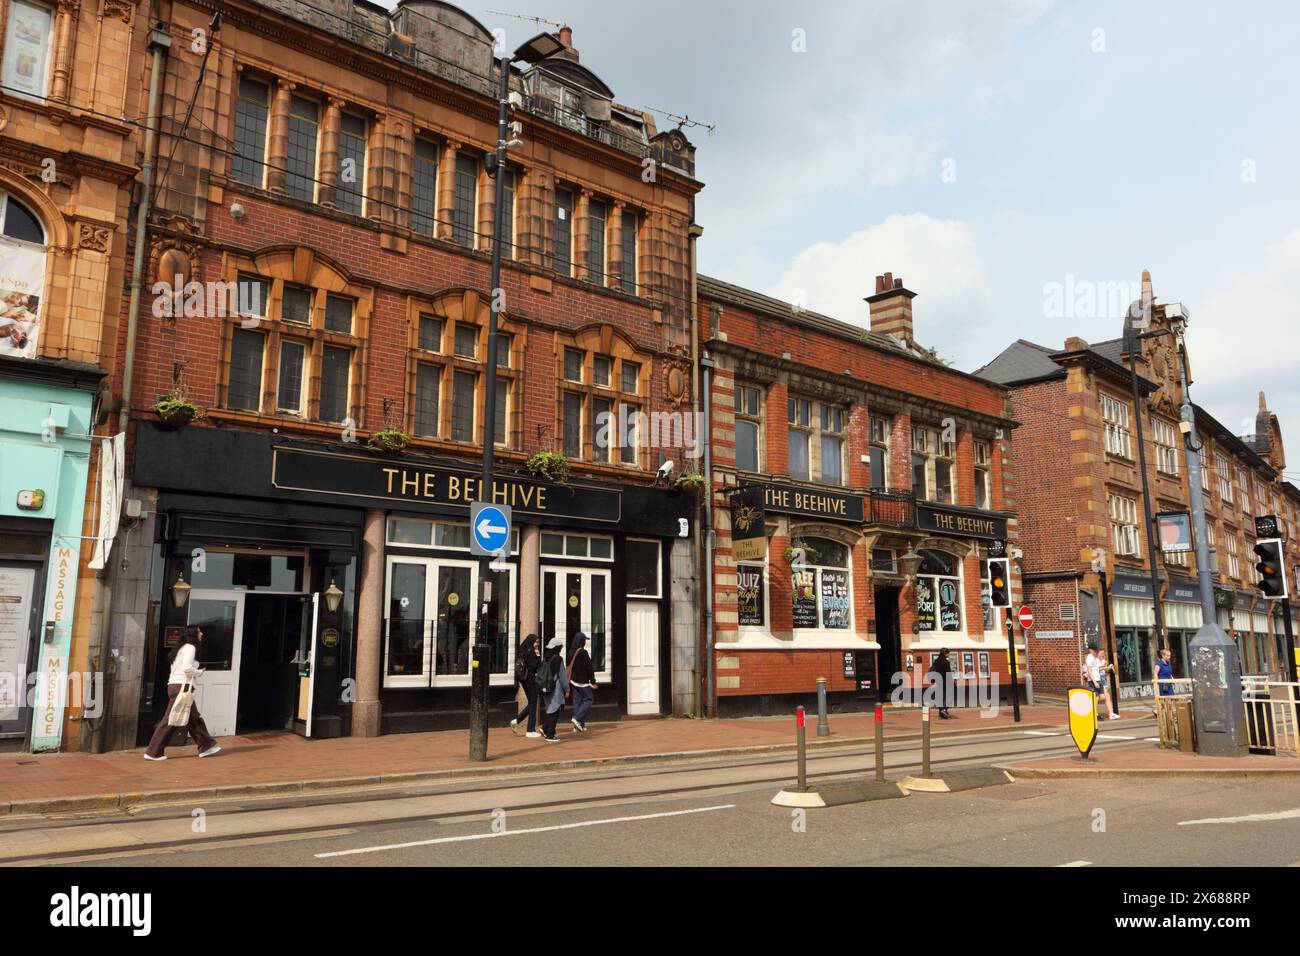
[1109,688]
[553,685]
[527,659]
[939,669]
[183,670]
[582,678]
[1165,672]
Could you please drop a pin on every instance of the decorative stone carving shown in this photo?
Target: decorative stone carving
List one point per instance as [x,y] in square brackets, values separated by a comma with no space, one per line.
[122,10]
[95,238]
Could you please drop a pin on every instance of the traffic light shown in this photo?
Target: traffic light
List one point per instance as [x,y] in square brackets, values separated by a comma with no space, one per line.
[1272,571]
[999,582]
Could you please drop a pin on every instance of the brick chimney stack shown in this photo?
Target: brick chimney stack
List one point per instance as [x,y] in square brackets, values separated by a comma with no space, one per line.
[891,308]
[566,37]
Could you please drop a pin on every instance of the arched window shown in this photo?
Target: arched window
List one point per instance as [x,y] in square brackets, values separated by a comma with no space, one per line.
[821,584]
[22,266]
[938,592]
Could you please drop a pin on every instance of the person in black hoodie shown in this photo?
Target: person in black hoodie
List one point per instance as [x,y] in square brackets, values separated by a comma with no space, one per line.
[582,678]
[527,659]
[939,669]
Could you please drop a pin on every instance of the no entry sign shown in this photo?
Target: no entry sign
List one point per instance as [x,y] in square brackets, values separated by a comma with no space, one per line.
[1026,618]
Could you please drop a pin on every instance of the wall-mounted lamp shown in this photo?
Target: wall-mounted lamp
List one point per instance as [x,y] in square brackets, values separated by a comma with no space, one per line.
[180,591]
[333,596]
[910,563]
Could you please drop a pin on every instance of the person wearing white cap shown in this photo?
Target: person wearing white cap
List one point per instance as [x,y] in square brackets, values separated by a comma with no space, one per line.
[553,683]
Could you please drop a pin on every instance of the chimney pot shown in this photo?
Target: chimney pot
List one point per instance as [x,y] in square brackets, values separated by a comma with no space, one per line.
[566,35]
[898,283]
[880,284]
[889,280]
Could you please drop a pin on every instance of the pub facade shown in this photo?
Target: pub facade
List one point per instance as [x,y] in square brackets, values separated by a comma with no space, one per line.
[858,483]
[312,517]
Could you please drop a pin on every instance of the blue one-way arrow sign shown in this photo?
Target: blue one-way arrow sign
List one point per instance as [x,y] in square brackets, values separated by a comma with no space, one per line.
[489,527]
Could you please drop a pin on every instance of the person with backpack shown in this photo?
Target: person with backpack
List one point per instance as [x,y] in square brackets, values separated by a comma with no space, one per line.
[184,670]
[582,678]
[939,671]
[528,658]
[553,686]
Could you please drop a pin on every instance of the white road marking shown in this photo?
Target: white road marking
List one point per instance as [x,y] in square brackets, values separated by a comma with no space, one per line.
[505,833]
[1075,863]
[1114,737]
[1044,733]
[1249,818]
[1152,740]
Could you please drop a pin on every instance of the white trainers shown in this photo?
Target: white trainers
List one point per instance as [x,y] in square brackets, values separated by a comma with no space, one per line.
[211,751]
[532,733]
[514,726]
[576,726]
[149,757]
[1114,716]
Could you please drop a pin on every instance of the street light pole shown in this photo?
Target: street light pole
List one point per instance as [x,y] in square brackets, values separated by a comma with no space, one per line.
[539,48]
[1132,344]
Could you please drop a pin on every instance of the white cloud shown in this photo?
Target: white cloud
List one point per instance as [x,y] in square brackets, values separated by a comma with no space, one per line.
[936,258]
[1242,340]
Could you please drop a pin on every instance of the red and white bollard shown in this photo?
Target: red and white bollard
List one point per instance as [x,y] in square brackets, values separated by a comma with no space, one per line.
[925,741]
[880,743]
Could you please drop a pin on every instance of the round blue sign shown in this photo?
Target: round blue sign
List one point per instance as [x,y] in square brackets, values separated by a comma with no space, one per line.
[491,529]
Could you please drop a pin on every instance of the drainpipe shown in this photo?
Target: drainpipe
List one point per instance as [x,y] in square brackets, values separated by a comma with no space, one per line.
[710,691]
[694,233]
[160,42]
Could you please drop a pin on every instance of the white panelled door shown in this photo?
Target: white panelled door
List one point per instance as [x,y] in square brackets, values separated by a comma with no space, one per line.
[221,616]
[643,657]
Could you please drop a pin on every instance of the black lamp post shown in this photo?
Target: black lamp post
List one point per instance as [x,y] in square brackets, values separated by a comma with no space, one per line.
[535,50]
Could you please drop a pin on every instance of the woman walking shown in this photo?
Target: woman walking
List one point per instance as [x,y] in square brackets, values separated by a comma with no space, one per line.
[553,684]
[582,677]
[527,659]
[183,670]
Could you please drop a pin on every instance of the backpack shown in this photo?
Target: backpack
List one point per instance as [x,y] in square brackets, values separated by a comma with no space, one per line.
[521,668]
[547,675]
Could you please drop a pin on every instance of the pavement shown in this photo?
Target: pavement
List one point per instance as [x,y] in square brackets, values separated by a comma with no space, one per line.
[270,763]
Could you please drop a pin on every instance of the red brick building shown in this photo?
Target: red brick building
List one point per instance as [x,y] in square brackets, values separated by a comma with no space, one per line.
[329,195]
[864,453]
[1086,568]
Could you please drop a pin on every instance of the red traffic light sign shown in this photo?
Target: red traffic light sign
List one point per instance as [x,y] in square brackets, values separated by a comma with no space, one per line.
[1026,618]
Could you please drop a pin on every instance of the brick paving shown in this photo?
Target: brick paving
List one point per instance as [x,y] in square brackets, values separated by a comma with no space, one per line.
[271,758]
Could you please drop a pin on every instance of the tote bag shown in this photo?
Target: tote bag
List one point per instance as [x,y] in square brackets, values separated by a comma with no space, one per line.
[180,712]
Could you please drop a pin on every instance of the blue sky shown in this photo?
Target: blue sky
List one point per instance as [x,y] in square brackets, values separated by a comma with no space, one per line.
[984,150]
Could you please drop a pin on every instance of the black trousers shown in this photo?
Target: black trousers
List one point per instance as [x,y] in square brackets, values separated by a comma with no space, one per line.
[549,721]
[530,708]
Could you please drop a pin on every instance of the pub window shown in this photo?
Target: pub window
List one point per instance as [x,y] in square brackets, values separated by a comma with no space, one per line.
[556,545]
[1124,524]
[466,341]
[424,187]
[832,445]
[597,213]
[254,297]
[290,396]
[462,408]
[821,588]
[426,533]
[335,383]
[1225,478]
[884,559]
[879,453]
[300,163]
[503,387]
[464,200]
[564,231]
[252,110]
[799,418]
[428,390]
[748,427]
[338,313]
[604,415]
[352,163]
[27,48]
[246,349]
[938,592]
[643,568]
[751,594]
[504,345]
[932,465]
[627,267]
[983,490]
[430,334]
[295,305]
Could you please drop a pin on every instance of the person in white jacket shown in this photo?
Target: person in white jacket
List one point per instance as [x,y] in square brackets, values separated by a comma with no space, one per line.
[183,668]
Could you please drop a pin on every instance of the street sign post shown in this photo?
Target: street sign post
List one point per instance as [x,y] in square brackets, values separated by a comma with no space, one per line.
[489,527]
[1083,718]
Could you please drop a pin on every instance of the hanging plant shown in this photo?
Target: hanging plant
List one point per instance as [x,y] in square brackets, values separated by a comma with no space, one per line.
[695,481]
[549,465]
[175,410]
[793,553]
[391,441]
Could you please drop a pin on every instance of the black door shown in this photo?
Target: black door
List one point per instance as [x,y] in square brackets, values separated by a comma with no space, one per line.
[888,660]
[268,674]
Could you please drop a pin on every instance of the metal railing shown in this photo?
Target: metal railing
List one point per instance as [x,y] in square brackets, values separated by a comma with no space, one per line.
[896,508]
[1272,712]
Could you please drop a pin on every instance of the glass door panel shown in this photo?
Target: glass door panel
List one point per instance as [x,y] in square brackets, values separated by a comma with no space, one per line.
[455,601]
[406,619]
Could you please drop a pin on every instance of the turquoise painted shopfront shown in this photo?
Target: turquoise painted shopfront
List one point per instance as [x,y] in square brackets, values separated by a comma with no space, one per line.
[46,415]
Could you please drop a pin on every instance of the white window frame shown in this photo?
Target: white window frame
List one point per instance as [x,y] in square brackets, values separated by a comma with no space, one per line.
[1165,436]
[820,630]
[984,466]
[960,578]
[1224,472]
[1125,533]
[590,574]
[1116,417]
[576,557]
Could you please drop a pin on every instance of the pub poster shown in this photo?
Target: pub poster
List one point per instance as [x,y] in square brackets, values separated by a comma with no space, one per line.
[803,589]
[835,599]
[949,606]
[22,280]
[749,595]
[925,604]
